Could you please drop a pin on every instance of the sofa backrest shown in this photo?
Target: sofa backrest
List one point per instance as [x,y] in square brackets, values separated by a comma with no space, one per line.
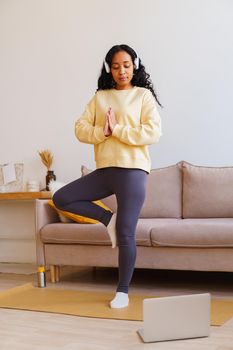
[207,191]
[164,193]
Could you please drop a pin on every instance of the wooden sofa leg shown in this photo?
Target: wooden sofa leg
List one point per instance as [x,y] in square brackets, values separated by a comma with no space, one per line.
[52,273]
[57,273]
[94,271]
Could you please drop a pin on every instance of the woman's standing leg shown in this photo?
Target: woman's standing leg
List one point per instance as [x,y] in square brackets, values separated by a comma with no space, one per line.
[129,187]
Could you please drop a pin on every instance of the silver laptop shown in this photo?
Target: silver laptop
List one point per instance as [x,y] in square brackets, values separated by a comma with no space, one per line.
[176,317]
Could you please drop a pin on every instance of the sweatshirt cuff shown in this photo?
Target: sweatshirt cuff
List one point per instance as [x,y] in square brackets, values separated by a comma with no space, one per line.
[117,131]
[99,134]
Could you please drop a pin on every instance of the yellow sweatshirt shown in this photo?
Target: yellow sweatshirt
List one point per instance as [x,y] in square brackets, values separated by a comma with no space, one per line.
[139,125]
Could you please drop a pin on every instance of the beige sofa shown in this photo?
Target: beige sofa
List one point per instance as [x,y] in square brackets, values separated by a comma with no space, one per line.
[186,223]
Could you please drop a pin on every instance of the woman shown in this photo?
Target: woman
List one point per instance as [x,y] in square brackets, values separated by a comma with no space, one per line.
[121,120]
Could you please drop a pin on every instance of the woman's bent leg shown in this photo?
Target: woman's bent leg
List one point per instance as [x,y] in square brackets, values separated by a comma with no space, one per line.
[77,196]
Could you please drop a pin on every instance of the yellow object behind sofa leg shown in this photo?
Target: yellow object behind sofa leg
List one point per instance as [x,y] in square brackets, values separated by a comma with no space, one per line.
[57,273]
[52,273]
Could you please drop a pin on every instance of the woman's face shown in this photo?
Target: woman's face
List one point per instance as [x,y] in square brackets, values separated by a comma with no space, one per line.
[122,70]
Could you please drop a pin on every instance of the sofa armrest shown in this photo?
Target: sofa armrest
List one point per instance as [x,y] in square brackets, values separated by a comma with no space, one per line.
[44,214]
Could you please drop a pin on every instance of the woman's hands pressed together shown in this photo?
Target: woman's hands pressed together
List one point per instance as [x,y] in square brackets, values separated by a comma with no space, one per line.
[110,122]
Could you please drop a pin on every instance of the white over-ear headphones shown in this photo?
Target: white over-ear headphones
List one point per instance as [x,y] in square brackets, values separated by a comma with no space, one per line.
[107,68]
[136,63]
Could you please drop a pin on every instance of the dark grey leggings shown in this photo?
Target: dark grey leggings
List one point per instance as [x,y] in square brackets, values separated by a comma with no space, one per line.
[129,187]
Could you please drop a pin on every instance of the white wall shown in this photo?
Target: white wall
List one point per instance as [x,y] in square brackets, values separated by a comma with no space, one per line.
[51,52]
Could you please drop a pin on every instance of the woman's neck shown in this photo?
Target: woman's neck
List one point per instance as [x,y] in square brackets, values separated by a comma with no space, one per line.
[124,88]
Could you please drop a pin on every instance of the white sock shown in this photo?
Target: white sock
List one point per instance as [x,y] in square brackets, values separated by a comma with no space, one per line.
[111,228]
[121,300]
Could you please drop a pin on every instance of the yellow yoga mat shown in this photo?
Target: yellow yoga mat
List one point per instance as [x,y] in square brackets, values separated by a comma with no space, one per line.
[91,304]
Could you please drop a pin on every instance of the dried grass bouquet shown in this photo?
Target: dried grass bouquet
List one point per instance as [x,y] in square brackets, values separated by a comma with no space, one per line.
[47,158]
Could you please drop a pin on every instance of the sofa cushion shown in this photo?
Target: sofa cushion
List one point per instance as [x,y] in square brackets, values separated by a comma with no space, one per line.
[207,191]
[164,193]
[91,234]
[193,233]
[75,217]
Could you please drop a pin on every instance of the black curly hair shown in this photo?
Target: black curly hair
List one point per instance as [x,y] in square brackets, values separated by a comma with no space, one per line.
[140,77]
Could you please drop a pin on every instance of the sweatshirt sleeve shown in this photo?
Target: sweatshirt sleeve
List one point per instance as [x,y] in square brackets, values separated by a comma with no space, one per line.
[149,130]
[85,129]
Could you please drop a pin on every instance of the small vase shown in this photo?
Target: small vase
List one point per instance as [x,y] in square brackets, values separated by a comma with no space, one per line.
[50,176]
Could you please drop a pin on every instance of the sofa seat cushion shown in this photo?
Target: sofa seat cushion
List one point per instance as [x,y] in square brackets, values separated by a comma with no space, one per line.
[94,234]
[214,232]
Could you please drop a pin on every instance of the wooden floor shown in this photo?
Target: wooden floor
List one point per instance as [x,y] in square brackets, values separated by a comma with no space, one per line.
[24,330]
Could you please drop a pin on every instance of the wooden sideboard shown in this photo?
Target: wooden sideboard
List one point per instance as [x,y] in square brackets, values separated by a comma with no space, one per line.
[17,226]
[25,195]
